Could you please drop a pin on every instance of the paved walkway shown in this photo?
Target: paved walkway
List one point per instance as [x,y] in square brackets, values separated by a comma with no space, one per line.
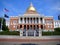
[31,43]
[17,40]
[18,37]
[28,40]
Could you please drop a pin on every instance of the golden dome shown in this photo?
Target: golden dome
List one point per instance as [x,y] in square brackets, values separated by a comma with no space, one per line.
[31,8]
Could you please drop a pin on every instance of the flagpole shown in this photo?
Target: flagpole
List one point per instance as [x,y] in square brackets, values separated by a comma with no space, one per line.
[5,10]
[1,23]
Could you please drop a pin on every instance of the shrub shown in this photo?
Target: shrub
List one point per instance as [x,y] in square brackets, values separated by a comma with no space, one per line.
[9,33]
[50,33]
[57,29]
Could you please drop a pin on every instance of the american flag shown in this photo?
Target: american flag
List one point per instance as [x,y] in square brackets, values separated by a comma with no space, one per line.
[6,10]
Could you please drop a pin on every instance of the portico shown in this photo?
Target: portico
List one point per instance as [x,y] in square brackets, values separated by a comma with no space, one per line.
[31,25]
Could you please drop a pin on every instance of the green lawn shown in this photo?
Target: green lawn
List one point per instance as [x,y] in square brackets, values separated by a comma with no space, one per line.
[9,33]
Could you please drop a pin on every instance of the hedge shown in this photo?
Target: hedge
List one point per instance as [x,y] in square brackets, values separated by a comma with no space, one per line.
[9,33]
[50,33]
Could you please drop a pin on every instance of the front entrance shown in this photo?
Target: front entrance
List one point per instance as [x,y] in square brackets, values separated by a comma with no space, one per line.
[31,30]
[31,33]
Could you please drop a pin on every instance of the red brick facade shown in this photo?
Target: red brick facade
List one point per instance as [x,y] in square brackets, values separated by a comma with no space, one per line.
[14,24]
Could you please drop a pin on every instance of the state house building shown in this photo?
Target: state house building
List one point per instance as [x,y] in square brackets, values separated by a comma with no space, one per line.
[31,23]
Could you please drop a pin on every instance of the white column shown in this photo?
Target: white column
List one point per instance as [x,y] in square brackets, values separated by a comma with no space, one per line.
[29,20]
[26,33]
[34,33]
[39,21]
[35,20]
[43,21]
[19,20]
[40,33]
[23,20]
[26,20]
[32,20]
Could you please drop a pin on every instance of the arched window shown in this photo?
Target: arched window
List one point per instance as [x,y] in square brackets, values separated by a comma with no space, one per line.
[21,19]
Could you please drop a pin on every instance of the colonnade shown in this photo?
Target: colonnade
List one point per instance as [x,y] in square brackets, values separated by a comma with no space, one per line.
[34,20]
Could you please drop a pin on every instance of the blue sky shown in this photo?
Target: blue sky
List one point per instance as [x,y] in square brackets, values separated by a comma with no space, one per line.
[16,7]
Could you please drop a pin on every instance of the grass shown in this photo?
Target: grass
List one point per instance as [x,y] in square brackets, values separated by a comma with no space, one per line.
[9,33]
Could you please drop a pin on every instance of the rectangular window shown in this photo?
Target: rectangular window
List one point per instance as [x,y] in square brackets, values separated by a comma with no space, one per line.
[15,22]
[48,21]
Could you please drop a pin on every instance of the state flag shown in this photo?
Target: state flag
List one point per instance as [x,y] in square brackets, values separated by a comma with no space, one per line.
[5,15]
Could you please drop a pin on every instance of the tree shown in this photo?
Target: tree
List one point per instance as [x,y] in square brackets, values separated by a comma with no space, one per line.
[4,27]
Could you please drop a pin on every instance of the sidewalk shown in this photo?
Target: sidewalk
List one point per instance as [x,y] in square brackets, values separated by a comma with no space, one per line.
[18,37]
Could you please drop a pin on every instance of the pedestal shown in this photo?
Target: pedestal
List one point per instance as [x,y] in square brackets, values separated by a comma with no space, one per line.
[1,30]
[40,32]
[21,32]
